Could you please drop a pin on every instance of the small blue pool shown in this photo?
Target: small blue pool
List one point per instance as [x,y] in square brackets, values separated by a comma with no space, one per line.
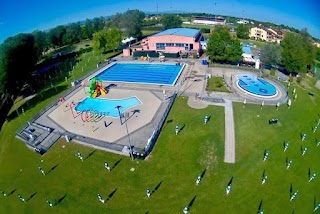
[256,86]
[106,107]
[146,73]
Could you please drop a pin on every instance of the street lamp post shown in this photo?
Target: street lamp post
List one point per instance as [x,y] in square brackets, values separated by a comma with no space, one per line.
[129,141]
[118,107]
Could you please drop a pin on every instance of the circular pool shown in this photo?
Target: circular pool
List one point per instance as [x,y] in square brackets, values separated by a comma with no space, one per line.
[256,86]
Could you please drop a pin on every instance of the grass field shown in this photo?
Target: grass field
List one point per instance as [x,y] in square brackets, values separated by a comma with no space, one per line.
[216,84]
[174,166]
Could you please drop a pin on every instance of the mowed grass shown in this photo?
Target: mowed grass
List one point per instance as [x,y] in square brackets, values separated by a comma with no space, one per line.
[216,84]
[174,165]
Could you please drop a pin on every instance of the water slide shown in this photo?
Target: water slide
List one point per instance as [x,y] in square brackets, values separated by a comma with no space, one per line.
[96,87]
[103,91]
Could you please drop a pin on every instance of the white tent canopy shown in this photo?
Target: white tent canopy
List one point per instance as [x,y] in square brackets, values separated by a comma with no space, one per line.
[129,39]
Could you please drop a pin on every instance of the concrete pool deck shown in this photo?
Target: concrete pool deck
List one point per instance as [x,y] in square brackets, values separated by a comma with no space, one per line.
[138,116]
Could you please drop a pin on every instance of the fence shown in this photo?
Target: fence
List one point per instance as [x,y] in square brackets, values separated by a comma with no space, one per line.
[152,140]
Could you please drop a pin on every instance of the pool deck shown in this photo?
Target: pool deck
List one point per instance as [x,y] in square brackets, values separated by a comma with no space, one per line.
[138,116]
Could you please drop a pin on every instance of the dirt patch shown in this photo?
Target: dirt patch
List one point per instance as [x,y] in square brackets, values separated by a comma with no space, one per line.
[209,157]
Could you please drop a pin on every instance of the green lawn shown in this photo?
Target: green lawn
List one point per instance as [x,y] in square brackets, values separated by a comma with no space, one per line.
[175,164]
[149,32]
[216,84]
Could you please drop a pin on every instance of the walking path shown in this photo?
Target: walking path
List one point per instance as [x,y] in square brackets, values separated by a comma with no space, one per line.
[229,145]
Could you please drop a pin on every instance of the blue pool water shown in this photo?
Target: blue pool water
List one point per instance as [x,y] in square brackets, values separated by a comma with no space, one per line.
[106,107]
[256,86]
[160,74]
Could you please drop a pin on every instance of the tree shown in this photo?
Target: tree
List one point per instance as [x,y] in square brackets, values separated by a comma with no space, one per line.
[18,57]
[318,54]
[129,23]
[271,54]
[55,35]
[113,39]
[100,40]
[297,53]
[98,24]
[87,31]
[171,21]
[72,34]
[243,31]
[40,42]
[309,48]
[222,47]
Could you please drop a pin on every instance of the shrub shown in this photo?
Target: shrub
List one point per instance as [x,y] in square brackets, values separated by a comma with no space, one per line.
[291,78]
[299,79]
[272,72]
[205,30]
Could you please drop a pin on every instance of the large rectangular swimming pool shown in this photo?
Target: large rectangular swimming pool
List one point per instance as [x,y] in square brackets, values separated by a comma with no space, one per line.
[145,73]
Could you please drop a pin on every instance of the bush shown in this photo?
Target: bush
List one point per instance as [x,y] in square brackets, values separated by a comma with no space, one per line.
[299,79]
[290,78]
[85,50]
[272,72]
[205,30]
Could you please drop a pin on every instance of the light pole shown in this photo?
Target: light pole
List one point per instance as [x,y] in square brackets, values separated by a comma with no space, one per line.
[129,141]
[118,107]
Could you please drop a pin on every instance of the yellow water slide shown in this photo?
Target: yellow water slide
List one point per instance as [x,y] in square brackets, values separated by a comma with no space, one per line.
[94,95]
[103,91]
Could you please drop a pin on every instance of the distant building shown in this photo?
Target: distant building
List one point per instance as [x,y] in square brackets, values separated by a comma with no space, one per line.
[172,40]
[243,21]
[200,20]
[317,44]
[152,17]
[266,34]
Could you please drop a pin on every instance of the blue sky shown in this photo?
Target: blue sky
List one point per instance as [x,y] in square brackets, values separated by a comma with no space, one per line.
[21,16]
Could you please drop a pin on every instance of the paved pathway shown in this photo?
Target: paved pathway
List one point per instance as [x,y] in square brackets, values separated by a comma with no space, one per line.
[229,145]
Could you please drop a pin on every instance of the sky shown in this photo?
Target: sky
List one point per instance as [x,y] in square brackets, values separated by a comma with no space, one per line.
[21,16]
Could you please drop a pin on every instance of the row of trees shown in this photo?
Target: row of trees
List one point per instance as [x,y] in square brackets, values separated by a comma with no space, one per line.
[18,55]
[296,53]
[67,34]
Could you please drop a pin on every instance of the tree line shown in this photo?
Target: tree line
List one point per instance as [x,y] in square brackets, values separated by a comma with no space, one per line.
[296,52]
[20,53]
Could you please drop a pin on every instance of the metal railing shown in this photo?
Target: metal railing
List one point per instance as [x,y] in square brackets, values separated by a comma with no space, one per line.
[152,140]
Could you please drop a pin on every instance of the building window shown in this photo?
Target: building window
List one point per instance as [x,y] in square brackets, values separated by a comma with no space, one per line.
[160,46]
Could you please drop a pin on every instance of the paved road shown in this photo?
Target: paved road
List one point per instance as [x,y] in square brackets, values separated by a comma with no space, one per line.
[229,145]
